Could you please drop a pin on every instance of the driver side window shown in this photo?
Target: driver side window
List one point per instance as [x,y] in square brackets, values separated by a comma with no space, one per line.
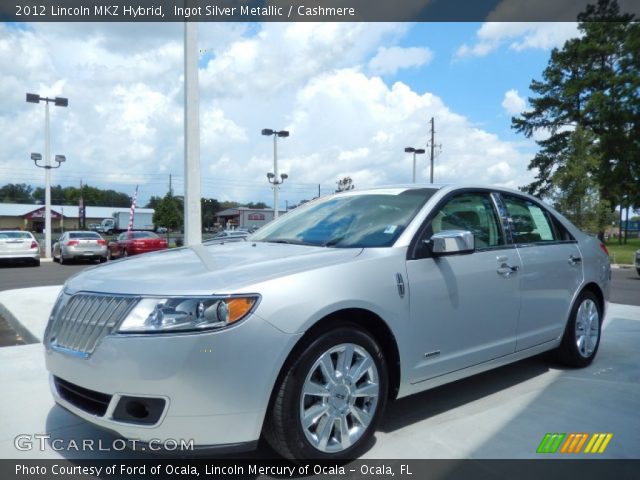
[473,212]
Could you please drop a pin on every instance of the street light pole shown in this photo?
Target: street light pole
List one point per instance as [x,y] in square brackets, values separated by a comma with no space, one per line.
[274,178]
[60,159]
[59,102]
[415,151]
[276,189]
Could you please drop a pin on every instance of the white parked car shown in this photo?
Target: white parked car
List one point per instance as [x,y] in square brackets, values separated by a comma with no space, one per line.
[19,245]
[305,331]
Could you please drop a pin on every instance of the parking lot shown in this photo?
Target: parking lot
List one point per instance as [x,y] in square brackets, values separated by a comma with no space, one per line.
[498,414]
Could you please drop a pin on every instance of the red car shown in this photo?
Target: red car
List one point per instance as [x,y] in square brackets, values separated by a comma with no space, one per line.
[133,243]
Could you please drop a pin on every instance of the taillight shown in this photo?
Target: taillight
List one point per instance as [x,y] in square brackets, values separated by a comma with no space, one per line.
[72,243]
[102,242]
[603,247]
[34,244]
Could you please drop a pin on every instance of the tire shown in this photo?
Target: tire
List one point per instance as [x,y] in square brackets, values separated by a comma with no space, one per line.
[102,259]
[317,383]
[35,263]
[638,270]
[61,259]
[579,348]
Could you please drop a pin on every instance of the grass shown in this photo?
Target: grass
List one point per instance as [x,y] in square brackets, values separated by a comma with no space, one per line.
[625,253]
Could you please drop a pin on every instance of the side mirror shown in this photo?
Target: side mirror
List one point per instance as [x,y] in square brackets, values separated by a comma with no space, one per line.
[451,242]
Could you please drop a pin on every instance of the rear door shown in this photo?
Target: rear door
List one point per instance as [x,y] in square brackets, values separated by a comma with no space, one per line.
[463,308]
[551,270]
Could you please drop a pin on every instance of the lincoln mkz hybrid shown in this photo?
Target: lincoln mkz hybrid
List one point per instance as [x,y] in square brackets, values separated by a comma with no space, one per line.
[303,333]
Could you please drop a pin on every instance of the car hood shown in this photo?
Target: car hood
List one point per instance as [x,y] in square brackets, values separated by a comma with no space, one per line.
[206,269]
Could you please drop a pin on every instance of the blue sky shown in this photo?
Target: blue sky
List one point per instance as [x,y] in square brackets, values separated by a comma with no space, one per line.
[352,95]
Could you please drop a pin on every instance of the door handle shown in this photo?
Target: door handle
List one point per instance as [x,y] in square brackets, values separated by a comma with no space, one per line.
[574,260]
[506,270]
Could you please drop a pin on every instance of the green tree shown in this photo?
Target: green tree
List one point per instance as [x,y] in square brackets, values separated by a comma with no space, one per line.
[16,193]
[209,208]
[345,184]
[153,202]
[256,205]
[168,213]
[591,85]
[576,193]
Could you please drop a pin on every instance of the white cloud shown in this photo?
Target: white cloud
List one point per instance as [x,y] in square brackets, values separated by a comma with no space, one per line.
[390,60]
[124,124]
[513,103]
[518,36]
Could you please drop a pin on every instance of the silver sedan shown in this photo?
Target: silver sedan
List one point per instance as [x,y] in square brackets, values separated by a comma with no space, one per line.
[304,332]
[77,245]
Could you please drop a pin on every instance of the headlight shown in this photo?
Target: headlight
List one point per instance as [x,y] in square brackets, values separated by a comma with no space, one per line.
[186,314]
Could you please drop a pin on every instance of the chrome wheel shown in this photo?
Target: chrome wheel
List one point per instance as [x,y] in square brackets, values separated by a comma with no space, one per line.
[587,328]
[339,397]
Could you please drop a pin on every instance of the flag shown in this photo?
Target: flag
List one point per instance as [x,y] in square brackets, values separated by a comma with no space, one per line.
[132,211]
[82,216]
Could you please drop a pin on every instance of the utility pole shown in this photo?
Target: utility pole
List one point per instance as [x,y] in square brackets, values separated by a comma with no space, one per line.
[432,147]
[318,190]
[170,187]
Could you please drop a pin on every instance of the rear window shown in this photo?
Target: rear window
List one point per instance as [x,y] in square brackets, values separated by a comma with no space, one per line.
[144,235]
[5,235]
[86,235]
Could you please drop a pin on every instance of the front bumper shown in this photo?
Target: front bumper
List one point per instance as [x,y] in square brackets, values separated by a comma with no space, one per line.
[215,385]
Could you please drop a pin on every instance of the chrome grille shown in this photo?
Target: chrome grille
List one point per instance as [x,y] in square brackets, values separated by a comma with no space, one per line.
[79,322]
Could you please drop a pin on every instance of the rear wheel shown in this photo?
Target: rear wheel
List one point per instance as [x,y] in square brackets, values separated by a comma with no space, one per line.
[582,335]
[61,259]
[331,397]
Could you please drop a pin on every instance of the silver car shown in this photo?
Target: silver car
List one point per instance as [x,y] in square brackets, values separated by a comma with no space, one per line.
[19,245]
[303,333]
[77,245]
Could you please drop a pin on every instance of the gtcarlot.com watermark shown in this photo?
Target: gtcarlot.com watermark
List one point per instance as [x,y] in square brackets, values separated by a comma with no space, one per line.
[43,442]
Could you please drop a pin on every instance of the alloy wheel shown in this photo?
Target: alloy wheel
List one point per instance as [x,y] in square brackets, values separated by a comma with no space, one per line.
[587,328]
[339,397]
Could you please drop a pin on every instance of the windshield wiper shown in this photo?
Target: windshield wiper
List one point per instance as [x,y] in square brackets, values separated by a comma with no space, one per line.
[288,242]
[333,241]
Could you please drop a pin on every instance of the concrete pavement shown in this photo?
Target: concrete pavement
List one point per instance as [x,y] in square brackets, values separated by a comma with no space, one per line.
[499,414]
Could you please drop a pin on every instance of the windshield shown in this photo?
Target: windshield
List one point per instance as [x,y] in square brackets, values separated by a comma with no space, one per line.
[371,219]
[88,235]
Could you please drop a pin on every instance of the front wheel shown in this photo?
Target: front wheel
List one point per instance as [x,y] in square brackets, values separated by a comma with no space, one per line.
[331,398]
[582,335]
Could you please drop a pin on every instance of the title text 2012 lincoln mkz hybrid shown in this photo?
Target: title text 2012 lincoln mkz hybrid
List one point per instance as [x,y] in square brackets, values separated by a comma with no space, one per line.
[304,332]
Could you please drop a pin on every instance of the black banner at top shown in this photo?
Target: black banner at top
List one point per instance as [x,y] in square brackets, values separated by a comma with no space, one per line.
[297,10]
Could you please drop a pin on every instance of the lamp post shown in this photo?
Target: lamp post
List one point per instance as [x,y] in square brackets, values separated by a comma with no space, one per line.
[60,159]
[58,102]
[415,151]
[273,177]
